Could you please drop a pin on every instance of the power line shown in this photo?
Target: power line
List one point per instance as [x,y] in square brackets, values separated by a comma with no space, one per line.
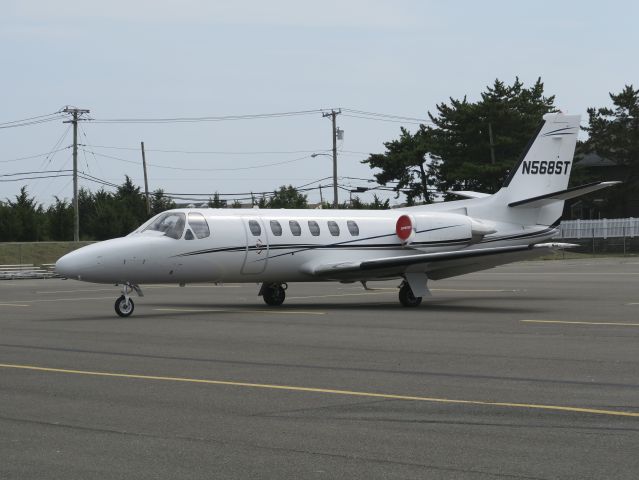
[34,122]
[213,152]
[29,173]
[35,156]
[386,115]
[201,169]
[222,118]
[381,119]
[55,148]
[38,117]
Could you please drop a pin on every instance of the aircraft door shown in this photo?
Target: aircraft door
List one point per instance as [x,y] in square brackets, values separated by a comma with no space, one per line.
[256,246]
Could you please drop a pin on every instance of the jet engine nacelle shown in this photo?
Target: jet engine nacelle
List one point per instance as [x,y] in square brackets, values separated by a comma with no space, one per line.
[440,229]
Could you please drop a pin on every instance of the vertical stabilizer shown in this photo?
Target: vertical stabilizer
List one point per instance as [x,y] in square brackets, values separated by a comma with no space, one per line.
[543,168]
[545,164]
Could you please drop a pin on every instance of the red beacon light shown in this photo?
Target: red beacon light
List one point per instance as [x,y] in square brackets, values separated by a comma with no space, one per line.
[404,228]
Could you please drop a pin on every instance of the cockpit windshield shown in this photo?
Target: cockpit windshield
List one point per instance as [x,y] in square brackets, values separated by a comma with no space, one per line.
[170,223]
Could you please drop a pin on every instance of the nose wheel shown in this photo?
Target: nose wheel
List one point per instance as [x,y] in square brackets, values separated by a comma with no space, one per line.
[124,306]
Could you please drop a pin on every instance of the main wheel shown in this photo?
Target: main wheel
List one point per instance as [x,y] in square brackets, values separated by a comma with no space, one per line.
[122,307]
[406,297]
[274,295]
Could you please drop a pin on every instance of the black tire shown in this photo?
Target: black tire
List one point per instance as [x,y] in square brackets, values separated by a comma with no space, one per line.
[406,297]
[274,295]
[121,307]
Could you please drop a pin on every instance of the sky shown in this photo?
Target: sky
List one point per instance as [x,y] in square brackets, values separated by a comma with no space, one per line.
[153,59]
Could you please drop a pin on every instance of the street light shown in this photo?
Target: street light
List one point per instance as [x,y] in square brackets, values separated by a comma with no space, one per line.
[313,155]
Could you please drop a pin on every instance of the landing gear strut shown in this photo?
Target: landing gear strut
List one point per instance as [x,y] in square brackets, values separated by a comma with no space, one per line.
[406,296]
[273,293]
[124,304]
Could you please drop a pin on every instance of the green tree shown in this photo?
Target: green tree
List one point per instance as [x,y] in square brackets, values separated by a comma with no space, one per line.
[105,218]
[160,202]
[378,204]
[215,202]
[455,152]
[287,197]
[86,205]
[613,133]
[60,220]
[28,218]
[357,204]
[406,162]
[9,223]
[461,136]
[132,204]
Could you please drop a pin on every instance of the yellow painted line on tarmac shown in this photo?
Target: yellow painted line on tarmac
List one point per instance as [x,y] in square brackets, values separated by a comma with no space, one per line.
[229,310]
[12,305]
[616,324]
[328,391]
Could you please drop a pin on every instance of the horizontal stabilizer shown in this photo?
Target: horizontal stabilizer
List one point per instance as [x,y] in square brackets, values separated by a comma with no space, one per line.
[573,192]
[468,194]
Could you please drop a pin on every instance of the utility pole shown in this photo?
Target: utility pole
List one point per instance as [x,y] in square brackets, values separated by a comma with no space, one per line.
[334,114]
[146,182]
[75,112]
[492,144]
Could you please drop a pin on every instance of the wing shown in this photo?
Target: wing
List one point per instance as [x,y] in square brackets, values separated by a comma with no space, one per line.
[436,265]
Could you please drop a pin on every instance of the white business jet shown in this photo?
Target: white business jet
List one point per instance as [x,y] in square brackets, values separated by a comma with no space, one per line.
[413,244]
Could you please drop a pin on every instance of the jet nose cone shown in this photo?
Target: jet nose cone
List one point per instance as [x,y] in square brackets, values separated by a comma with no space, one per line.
[68,266]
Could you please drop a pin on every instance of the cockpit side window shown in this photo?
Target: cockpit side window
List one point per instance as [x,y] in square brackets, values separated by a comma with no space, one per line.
[198,224]
[170,223]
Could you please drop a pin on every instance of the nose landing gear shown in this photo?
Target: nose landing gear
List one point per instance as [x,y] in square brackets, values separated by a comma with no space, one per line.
[124,305]
[273,294]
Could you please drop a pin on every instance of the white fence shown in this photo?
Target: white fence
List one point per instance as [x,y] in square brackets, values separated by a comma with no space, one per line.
[603,228]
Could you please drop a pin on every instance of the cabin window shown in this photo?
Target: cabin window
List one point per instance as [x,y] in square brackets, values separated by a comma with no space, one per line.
[198,224]
[333,227]
[276,228]
[169,223]
[255,228]
[314,227]
[295,228]
[189,235]
[353,228]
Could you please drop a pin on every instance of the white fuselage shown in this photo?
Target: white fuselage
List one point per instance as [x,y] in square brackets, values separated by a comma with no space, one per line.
[234,250]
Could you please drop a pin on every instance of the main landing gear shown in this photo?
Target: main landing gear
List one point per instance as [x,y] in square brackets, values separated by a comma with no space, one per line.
[273,293]
[124,305]
[406,296]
